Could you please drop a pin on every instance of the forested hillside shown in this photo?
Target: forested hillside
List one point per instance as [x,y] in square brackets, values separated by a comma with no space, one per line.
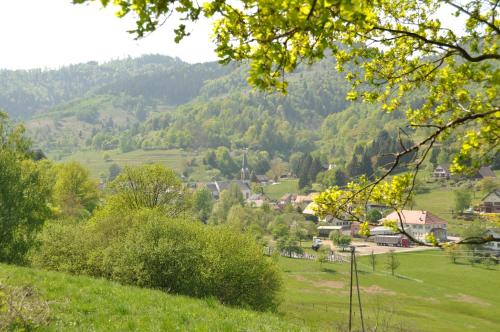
[157,102]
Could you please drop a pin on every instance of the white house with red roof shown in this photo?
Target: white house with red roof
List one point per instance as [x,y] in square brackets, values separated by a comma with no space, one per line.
[419,223]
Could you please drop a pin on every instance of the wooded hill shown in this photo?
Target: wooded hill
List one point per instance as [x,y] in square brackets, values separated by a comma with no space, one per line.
[159,102]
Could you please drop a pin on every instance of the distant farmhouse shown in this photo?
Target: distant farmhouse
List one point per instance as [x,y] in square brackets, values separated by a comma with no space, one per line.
[420,223]
[257,200]
[442,172]
[261,179]
[485,172]
[287,199]
[491,202]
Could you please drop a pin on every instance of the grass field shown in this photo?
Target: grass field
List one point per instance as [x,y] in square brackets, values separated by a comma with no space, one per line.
[429,294]
[440,201]
[86,304]
[275,191]
[94,160]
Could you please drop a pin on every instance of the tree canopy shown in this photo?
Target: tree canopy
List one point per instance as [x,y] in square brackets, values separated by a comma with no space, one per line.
[24,193]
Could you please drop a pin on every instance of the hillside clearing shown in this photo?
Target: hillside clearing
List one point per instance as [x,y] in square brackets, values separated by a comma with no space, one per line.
[94,160]
[87,304]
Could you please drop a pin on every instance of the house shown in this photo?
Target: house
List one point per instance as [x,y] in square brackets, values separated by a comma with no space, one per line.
[310,213]
[379,207]
[287,199]
[491,202]
[485,172]
[257,200]
[217,187]
[325,230]
[304,200]
[419,224]
[493,245]
[442,172]
[262,179]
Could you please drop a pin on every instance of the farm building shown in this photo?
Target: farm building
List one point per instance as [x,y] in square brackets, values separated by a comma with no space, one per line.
[442,172]
[491,202]
[485,172]
[324,231]
[420,223]
[257,200]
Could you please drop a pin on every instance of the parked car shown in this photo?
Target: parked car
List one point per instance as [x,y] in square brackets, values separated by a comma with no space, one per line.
[317,242]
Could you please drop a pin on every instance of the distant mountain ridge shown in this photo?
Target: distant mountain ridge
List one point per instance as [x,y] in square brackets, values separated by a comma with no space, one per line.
[24,93]
[157,101]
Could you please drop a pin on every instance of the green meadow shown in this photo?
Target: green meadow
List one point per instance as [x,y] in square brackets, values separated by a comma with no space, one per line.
[428,293]
[97,165]
[275,191]
[79,303]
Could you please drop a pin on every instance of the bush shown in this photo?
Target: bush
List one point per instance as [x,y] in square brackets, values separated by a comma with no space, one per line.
[22,309]
[62,247]
[148,249]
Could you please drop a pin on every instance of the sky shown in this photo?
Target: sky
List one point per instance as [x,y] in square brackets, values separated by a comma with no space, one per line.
[54,33]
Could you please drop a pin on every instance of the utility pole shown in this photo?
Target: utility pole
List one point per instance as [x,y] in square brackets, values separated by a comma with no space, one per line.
[359,295]
[354,266]
[350,289]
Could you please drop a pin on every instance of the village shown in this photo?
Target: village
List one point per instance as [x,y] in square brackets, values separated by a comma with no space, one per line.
[417,224]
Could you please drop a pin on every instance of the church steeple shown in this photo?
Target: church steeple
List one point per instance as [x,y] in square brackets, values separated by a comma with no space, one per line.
[245,172]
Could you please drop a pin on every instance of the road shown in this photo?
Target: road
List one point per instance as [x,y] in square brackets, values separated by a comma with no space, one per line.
[366,248]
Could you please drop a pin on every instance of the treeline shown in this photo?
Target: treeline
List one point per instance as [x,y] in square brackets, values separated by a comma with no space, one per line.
[24,93]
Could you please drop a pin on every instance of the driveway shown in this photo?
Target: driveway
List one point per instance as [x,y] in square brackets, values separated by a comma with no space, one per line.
[366,248]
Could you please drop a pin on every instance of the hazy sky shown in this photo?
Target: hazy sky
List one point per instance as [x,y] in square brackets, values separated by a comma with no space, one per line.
[53,33]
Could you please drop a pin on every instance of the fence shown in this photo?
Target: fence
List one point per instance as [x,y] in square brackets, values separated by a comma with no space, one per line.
[333,257]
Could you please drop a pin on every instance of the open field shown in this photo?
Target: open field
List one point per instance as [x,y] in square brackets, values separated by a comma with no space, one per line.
[275,191]
[87,304]
[429,293]
[94,160]
[440,201]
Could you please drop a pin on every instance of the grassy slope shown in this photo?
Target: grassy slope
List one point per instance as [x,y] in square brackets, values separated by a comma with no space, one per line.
[284,186]
[440,200]
[433,295]
[429,294]
[86,304]
[94,160]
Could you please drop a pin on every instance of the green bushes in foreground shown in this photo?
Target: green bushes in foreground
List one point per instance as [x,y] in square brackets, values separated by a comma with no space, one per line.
[148,249]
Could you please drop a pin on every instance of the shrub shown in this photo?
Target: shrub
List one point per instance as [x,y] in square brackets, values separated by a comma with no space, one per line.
[61,247]
[21,309]
[237,272]
[178,255]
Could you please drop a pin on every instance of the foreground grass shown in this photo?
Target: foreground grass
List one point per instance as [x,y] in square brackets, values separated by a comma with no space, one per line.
[429,293]
[87,304]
